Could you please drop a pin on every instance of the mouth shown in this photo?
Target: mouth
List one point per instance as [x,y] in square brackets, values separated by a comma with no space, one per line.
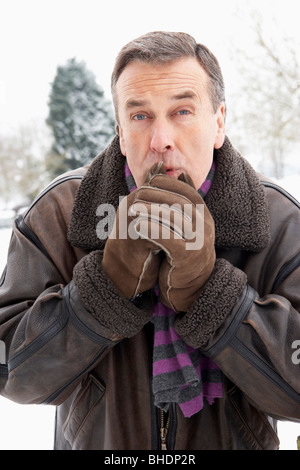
[174,172]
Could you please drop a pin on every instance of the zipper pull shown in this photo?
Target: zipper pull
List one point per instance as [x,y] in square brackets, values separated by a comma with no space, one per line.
[163,435]
[164,426]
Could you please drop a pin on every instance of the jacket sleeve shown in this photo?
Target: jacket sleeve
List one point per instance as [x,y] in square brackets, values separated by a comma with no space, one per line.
[248,321]
[51,338]
[254,347]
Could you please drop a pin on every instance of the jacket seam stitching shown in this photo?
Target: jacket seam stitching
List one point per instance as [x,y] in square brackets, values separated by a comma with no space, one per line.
[250,434]
[60,390]
[247,301]
[30,235]
[286,270]
[80,325]
[264,368]
[20,220]
[49,188]
[38,343]
[282,191]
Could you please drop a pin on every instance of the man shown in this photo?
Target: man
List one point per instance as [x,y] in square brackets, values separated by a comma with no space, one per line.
[164,319]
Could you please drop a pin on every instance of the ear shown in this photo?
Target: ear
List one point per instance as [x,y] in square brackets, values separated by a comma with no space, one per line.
[220,135]
[122,141]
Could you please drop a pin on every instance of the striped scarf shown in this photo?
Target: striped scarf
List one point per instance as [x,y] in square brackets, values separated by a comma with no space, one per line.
[181,374]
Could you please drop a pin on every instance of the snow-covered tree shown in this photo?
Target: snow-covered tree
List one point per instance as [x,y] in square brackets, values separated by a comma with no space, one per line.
[80,117]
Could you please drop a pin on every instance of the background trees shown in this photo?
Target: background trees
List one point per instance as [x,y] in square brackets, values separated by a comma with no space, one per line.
[22,162]
[80,118]
[264,113]
[263,118]
[80,125]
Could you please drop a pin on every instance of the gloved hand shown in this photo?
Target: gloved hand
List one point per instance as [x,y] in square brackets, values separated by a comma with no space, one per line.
[131,262]
[174,217]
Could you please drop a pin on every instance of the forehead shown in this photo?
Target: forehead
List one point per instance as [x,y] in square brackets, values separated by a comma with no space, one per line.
[140,78]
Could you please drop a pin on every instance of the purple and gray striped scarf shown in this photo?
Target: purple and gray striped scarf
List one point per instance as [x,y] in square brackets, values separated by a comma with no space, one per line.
[181,374]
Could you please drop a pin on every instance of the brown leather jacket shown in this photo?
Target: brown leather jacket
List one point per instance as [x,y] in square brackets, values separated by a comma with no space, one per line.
[60,353]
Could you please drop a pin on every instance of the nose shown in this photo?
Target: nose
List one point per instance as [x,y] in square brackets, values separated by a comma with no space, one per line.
[161,140]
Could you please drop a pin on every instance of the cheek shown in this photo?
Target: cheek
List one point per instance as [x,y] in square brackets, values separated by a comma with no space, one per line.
[199,158]
[131,142]
[137,171]
[135,158]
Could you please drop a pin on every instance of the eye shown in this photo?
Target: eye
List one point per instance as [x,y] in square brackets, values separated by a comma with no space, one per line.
[182,112]
[139,117]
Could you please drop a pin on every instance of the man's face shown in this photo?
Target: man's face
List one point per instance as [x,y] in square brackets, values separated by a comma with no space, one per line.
[165,114]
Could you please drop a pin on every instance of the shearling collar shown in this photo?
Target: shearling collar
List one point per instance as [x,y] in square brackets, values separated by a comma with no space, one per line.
[236,200]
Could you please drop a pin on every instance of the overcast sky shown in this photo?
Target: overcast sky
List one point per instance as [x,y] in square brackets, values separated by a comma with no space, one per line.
[36,36]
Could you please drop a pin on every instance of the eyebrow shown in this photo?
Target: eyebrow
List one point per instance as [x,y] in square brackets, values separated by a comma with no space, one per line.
[184,95]
[132,103]
[135,103]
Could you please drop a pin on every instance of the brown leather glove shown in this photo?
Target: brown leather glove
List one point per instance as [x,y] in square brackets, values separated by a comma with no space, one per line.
[175,218]
[131,262]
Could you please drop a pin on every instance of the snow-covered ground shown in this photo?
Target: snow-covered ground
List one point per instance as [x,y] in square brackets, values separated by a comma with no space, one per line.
[31,427]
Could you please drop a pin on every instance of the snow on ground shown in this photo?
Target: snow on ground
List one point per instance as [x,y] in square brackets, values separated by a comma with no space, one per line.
[31,427]
[23,427]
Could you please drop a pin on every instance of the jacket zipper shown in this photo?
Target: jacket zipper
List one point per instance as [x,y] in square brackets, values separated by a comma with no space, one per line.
[164,427]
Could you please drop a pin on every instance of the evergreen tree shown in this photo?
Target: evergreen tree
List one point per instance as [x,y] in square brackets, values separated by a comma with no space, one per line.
[80,117]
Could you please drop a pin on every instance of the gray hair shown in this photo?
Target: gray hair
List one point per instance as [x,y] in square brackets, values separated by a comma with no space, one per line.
[161,47]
